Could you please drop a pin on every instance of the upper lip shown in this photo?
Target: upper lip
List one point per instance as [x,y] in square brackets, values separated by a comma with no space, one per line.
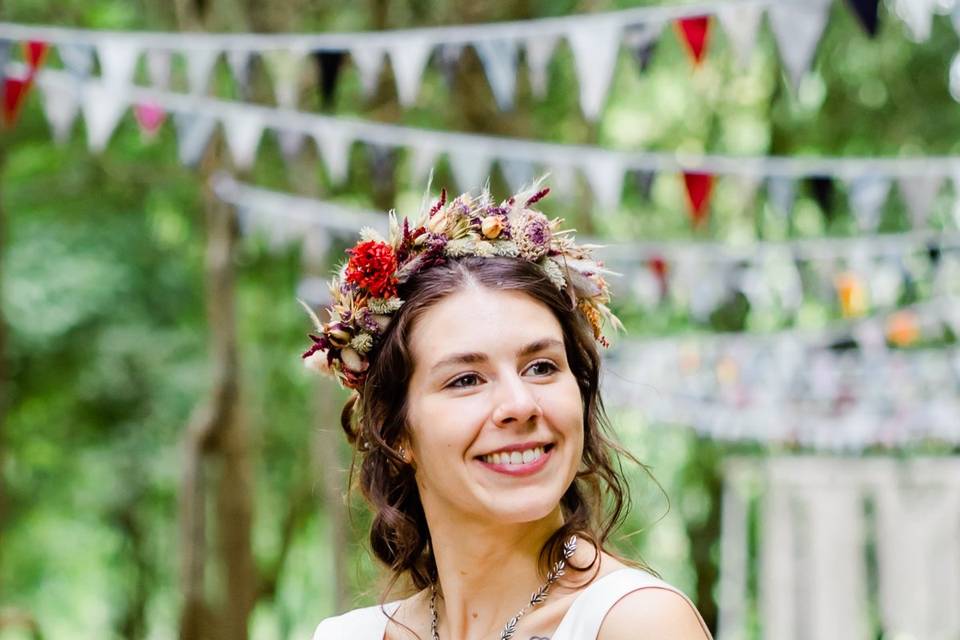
[522,446]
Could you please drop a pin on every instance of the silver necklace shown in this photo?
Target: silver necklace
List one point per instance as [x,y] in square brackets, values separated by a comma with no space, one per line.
[538,596]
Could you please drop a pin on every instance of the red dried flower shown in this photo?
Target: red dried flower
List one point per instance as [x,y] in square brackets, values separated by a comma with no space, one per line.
[372,267]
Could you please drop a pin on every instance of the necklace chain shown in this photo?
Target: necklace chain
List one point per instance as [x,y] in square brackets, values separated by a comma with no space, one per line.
[559,568]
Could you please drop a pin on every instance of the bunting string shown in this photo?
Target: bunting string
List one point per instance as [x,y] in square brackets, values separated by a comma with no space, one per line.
[472,155]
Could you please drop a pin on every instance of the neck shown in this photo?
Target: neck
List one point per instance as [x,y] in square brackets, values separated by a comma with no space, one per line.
[487,571]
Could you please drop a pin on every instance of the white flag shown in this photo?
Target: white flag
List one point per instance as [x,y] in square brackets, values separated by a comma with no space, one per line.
[797,28]
[103,106]
[605,173]
[499,59]
[539,51]
[61,104]
[193,134]
[369,62]
[334,145]
[955,74]
[868,193]
[286,68]
[408,59]
[471,168]
[740,23]
[423,159]
[242,130]
[918,16]
[781,190]
[118,60]
[919,193]
[518,173]
[200,63]
[158,68]
[77,58]
[595,44]
[239,62]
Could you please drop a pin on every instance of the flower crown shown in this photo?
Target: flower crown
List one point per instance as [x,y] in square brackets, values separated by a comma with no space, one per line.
[364,290]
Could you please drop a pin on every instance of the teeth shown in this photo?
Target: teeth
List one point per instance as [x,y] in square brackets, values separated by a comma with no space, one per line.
[514,457]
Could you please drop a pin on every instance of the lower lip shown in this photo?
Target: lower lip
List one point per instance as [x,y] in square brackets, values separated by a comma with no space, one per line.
[519,469]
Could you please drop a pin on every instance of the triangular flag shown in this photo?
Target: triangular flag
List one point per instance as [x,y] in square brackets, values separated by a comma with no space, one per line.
[539,50]
[517,173]
[797,28]
[34,53]
[242,130]
[448,57]
[291,143]
[158,69]
[918,193]
[917,15]
[660,269]
[103,106]
[423,158]
[563,181]
[595,44]
[641,40]
[867,195]
[867,12]
[499,59]
[329,64]
[699,186]
[644,178]
[382,166]
[150,117]
[14,91]
[285,67]
[200,64]
[239,62]
[118,59]
[955,77]
[605,173]
[694,32]
[471,168]
[334,146]
[77,58]
[193,134]
[408,59]
[369,63]
[741,23]
[781,190]
[61,104]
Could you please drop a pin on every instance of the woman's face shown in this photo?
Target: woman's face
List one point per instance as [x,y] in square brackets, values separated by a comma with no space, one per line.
[491,373]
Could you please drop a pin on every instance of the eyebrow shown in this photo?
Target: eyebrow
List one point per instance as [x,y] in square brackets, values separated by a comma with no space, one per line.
[475,357]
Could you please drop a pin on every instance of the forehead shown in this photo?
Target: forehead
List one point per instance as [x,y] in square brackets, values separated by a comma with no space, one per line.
[482,320]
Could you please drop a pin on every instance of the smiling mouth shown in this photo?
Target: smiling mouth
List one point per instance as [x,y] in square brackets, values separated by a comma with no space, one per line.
[518,458]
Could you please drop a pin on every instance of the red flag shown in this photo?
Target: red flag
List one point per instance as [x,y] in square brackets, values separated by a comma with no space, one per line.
[699,186]
[694,31]
[659,268]
[14,91]
[150,117]
[35,52]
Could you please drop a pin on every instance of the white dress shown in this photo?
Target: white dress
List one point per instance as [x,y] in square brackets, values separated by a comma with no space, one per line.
[581,622]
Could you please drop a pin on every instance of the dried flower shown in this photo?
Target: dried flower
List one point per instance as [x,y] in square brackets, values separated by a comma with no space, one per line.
[532,235]
[491,226]
[371,267]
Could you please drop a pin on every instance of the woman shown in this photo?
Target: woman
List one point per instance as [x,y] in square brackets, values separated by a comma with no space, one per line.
[470,340]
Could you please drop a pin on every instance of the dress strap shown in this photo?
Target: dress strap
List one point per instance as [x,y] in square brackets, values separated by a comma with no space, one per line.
[585,616]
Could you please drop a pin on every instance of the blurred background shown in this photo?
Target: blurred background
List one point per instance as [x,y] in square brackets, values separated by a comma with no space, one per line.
[777,183]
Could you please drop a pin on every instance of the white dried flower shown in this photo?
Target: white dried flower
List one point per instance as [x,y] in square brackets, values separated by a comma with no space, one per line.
[362,342]
[554,272]
[384,306]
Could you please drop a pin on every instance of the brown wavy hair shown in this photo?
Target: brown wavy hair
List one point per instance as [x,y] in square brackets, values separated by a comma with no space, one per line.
[375,423]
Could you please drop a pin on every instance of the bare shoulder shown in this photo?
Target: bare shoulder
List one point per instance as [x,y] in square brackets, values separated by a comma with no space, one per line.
[652,613]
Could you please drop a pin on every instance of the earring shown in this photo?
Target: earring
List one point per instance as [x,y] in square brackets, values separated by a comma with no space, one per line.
[402,453]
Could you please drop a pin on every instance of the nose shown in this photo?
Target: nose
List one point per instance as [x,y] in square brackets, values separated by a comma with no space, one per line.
[516,402]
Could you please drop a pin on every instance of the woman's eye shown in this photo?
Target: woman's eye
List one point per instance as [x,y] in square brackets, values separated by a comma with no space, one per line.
[542,368]
[466,380]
